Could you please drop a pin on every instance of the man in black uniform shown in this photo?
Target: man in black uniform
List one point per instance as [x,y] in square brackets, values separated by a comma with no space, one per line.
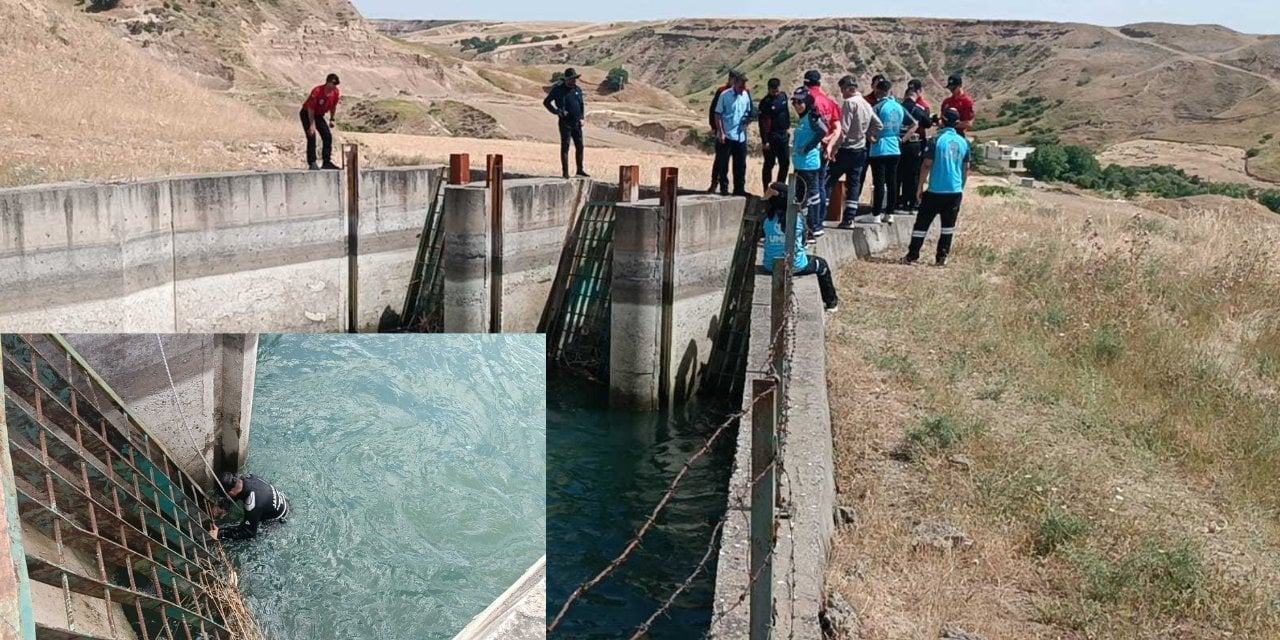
[567,102]
[909,164]
[262,503]
[775,132]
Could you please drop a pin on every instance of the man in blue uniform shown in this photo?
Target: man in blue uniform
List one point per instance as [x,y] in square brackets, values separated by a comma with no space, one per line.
[946,171]
[886,152]
[567,102]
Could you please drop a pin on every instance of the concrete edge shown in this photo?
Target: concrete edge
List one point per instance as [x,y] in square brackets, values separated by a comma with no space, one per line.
[508,617]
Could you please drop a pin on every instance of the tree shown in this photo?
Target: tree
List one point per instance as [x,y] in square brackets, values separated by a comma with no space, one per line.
[1048,163]
[102,5]
[617,79]
[557,77]
[1270,199]
[1082,166]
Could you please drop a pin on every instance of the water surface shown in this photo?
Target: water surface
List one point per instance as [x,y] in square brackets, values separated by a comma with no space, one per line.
[606,471]
[415,471]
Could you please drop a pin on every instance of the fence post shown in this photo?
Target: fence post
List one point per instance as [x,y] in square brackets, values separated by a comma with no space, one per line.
[352,165]
[668,197]
[764,444]
[459,168]
[628,183]
[493,170]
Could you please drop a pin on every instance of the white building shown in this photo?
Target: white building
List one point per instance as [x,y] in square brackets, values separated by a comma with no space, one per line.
[1005,156]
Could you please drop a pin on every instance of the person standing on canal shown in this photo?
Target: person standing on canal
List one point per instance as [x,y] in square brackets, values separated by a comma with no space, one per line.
[734,110]
[775,132]
[886,152]
[323,99]
[567,102]
[946,170]
[262,503]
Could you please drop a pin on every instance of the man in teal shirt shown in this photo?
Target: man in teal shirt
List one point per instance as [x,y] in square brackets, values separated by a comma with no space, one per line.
[887,151]
[946,170]
[734,111]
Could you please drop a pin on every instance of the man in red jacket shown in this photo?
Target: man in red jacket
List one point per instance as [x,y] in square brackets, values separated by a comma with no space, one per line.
[961,102]
[830,112]
[323,99]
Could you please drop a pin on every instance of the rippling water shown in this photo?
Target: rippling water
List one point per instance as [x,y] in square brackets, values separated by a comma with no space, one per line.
[414,467]
[605,472]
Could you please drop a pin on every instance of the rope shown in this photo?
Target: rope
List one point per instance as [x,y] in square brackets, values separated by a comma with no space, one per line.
[177,404]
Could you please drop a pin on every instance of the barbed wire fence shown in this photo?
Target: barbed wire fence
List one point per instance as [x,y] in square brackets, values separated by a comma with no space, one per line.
[776,368]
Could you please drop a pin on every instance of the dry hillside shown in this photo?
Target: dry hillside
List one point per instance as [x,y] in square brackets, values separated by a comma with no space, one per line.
[1086,84]
[78,102]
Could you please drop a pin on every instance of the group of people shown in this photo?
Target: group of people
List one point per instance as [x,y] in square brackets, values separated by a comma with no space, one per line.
[831,142]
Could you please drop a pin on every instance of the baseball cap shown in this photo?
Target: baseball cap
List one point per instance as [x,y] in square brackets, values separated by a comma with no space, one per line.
[915,84]
[954,81]
[951,116]
[848,81]
[812,77]
[800,93]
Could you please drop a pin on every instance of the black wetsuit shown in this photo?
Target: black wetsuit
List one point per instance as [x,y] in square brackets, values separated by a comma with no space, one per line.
[262,503]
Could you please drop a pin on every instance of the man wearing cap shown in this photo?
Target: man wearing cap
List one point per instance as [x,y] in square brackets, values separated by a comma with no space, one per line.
[858,122]
[720,164]
[909,166]
[262,503]
[322,99]
[567,102]
[961,102]
[886,152]
[734,111]
[830,113]
[946,170]
[775,132]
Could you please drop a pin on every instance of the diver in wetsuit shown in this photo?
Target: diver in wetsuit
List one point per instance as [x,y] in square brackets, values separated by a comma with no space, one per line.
[262,503]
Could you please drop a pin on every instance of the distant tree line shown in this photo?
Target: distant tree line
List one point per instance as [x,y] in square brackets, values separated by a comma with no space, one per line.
[1079,166]
[489,43]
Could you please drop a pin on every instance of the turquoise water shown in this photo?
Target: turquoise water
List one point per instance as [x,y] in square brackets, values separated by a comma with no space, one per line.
[605,472]
[415,471]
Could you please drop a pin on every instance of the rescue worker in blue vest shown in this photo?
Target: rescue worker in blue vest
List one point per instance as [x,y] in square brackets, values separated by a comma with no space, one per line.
[567,102]
[946,171]
[262,503]
[775,132]
[775,243]
[886,152]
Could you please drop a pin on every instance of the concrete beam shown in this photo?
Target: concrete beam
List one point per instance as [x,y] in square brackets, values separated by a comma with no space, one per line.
[466,259]
[214,377]
[520,613]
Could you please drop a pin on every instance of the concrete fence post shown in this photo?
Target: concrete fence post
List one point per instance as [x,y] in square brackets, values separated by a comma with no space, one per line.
[628,183]
[352,166]
[466,251]
[764,444]
[497,195]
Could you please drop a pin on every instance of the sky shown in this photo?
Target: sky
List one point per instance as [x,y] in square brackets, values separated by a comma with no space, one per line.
[1250,16]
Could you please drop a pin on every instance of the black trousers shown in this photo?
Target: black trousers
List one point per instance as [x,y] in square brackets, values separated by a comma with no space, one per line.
[779,154]
[570,131]
[850,164]
[909,174]
[884,178]
[738,154]
[720,167]
[944,205]
[322,128]
[826,284]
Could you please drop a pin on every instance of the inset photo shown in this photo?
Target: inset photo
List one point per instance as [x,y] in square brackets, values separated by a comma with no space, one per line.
[274,486]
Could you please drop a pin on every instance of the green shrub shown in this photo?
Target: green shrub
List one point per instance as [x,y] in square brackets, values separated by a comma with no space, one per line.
[1270,199]
[935,434]
[756,45]
[988,190]
[1107,344]
[781,57]
[103,5]
[1252,153]
[1056,529]
[617,79]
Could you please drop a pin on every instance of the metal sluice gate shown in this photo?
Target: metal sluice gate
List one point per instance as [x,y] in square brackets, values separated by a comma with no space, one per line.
[125,547]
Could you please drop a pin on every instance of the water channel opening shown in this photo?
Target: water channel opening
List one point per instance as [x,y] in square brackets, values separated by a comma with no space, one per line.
[606,471]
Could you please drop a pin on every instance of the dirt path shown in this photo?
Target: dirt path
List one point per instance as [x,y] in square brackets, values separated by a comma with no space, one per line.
[1192,56]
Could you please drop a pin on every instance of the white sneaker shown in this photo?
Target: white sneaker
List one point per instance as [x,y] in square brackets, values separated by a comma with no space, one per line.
[886,218]
[818,233]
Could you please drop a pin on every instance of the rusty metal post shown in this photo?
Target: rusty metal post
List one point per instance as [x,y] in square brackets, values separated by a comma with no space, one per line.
[17,617]
[493,171]
[835,207]
[764,450]
[668,198]
[459,168]
[352,165]
[628,183]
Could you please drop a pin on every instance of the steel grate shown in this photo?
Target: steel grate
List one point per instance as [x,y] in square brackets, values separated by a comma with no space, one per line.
[726,366]
[424,302]
[127,526]
[578,327]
